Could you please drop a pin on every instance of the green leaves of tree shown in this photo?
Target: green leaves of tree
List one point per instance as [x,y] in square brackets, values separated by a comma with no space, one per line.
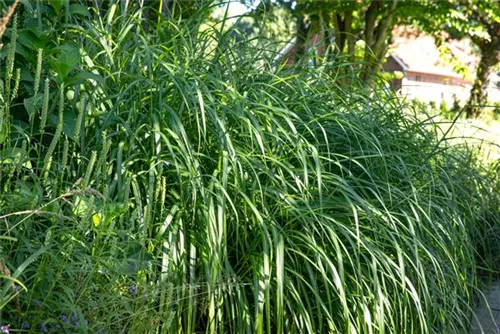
[74,9]
[66,61]
[78,9]
[57,5]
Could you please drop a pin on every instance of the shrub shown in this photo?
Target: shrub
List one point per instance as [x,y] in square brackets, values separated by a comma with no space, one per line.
[186,187]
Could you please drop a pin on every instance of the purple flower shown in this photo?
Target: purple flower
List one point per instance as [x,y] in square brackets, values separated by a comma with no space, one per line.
[43,328]
[64,318]
[37,303]
[4,329]
[132,290]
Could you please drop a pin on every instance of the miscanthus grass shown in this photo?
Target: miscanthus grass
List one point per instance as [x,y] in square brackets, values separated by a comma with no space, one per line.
[212,190]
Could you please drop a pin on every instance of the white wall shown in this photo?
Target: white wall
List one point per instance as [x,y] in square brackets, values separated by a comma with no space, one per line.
[429,91]
[433,88]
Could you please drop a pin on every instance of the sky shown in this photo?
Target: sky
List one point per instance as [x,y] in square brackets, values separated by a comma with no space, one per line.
[237,8]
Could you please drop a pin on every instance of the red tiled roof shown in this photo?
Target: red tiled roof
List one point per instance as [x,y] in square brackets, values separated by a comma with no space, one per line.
[420,54]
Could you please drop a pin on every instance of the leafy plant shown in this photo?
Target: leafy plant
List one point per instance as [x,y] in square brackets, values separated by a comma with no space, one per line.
[187,187]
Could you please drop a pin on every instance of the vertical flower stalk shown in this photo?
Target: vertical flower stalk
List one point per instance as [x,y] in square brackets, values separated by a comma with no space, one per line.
[101,168]
[90,167]
[36,84]
[19,160]
[162,188]
[45,106]
[81,107]
[59,128]
[11,57]
[46,168]
[65,154]
[38,73]
[17,79]
[7,96]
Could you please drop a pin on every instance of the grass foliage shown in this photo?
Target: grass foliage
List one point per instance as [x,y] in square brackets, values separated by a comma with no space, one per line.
[185,183]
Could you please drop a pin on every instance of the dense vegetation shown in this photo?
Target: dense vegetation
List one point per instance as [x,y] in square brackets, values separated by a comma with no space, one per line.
[342,28]
[182,181]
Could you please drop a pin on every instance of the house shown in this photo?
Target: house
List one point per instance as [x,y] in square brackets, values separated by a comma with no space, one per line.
[426,76]
[420,70]
[423,73]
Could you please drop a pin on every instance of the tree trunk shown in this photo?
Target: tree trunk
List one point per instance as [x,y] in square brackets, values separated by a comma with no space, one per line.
[376,38]
[490,56]
[348,18]
[302,32]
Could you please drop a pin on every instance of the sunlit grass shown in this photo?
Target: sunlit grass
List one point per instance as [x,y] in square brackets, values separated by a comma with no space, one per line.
[481,134]
[213,191]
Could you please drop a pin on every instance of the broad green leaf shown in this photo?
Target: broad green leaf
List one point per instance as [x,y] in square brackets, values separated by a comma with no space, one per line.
[60,48]
[30,39]
[12,155]
[33,104]
[57,5]
[135,260]
[3,132]
[78,9]
[28,5]
[25,194]
[82,206]
[81,77]
[70,124]
[66,62]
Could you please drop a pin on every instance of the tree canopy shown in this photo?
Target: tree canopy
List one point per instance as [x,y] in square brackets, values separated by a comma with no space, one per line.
[342,25]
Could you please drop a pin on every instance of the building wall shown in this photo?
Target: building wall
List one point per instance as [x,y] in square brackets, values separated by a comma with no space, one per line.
[493,89]
[430,87]
[391,65]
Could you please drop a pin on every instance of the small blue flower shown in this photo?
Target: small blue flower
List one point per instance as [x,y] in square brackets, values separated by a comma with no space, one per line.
[132,290]
[74,317]
[37,303]
[64,318]
[25,325]
[43,328]
[4,329]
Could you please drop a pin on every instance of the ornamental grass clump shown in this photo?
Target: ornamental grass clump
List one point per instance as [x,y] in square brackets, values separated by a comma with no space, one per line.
[211,189]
